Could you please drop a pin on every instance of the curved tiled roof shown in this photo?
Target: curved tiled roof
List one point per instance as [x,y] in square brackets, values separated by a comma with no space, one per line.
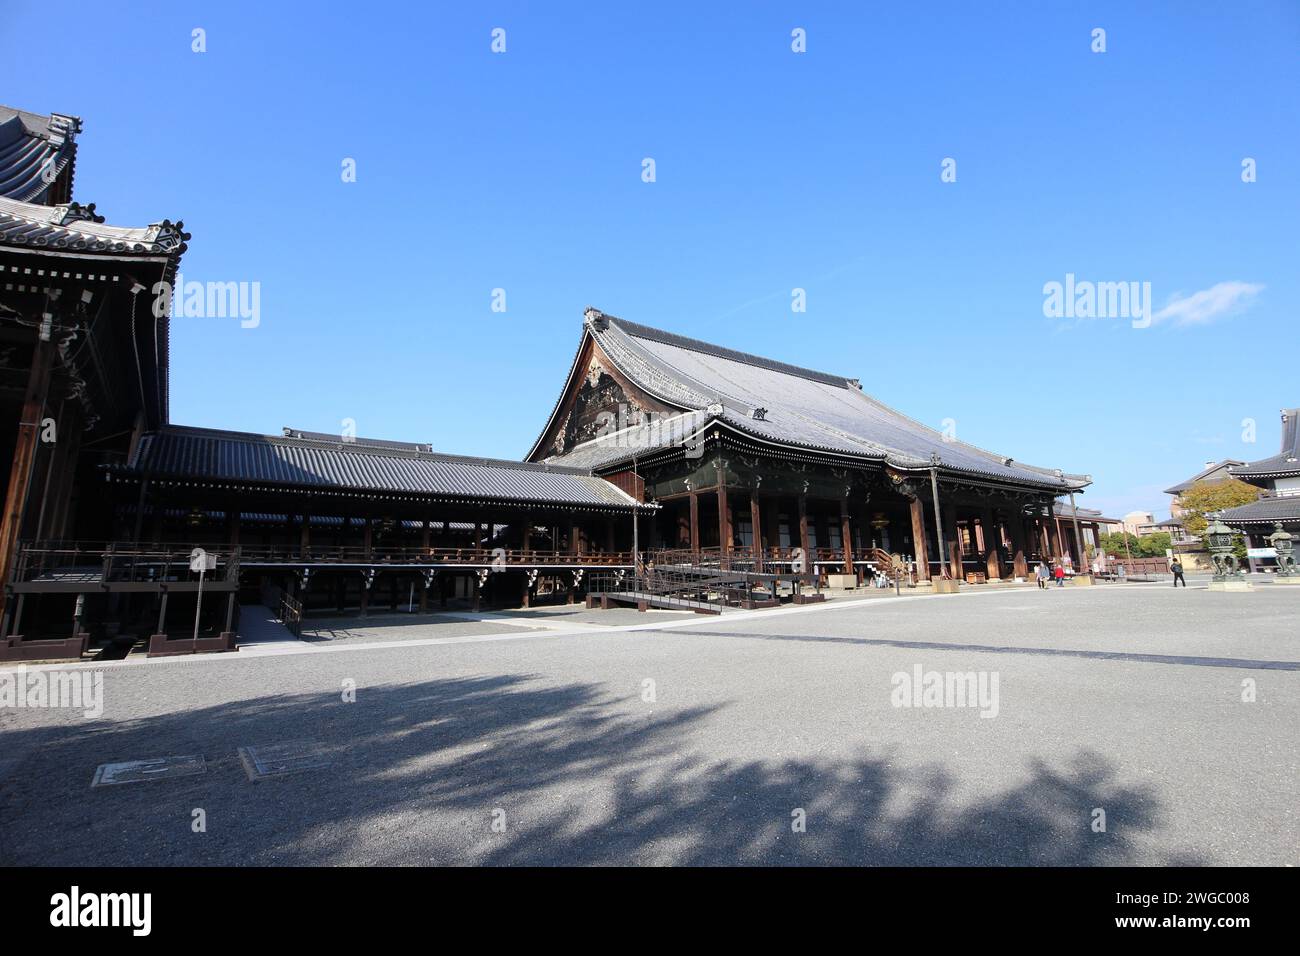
[787,405]
[1266,510]
[1062,510]
[34,150]
[1204,475]
[1285,463]
[76,228]
[328,462]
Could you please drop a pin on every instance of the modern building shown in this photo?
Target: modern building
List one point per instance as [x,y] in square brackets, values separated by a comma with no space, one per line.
[116,520]
[1137,523]
[1213,471]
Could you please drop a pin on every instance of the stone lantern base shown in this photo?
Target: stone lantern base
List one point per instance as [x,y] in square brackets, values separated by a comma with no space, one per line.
[1231,586]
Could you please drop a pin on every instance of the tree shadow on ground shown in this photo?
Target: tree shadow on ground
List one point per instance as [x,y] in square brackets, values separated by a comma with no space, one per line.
[420,771]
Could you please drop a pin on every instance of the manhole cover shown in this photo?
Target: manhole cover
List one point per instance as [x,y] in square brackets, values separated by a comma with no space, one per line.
[278,760]
[138,771]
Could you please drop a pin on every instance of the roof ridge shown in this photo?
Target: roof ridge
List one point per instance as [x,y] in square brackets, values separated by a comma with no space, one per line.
[360,447]
[637,330]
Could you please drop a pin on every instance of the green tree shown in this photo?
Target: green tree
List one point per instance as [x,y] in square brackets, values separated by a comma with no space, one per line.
[1204,497]
[1148,546]
[1116,544]
[1153,545]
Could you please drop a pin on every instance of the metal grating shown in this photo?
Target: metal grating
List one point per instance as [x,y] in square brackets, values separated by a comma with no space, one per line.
[279,760]
[142,771]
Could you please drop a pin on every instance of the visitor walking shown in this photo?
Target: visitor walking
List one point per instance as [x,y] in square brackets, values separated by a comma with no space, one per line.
[1060,575]
[1042,575]
[1177,567]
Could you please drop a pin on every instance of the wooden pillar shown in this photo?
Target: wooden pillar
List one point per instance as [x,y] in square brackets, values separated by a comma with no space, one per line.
[575,539]
[1019,560]
[58,503]
[424,542]
[695,521]
[25,444]
[525,536]
[141,505]
[162,615]
[992,560]
[609,535]
[232,524]
[756,523]
[773,516]
[724,522]
[1045,533]
[952,547]
[230,613]
[919,548]
[803,531]
[367,539]
[846,535]
[306,534]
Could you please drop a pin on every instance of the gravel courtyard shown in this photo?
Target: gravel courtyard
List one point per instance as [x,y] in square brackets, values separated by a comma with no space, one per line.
[769,737]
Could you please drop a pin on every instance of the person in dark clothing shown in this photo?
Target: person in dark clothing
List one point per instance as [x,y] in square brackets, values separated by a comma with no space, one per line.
[1177,568]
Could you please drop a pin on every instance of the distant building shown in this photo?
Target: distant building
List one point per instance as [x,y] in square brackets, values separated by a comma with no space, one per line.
[1135,521]
[1174,527]
[1212,472]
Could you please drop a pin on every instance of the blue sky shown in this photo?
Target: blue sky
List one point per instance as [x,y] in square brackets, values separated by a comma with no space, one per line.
[774,170]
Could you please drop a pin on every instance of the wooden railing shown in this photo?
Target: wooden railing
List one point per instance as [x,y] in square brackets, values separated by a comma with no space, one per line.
[117,562]
[769,561]
[143,560]
[352,554]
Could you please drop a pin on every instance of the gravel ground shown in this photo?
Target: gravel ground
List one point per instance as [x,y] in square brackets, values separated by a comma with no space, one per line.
[702,740]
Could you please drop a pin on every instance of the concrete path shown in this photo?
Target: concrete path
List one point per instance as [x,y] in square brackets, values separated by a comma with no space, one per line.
[261,633]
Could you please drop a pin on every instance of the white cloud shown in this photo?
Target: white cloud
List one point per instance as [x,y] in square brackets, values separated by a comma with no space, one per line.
[1199,308]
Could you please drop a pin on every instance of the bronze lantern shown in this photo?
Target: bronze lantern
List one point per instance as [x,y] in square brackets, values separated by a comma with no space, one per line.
[1281,542]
